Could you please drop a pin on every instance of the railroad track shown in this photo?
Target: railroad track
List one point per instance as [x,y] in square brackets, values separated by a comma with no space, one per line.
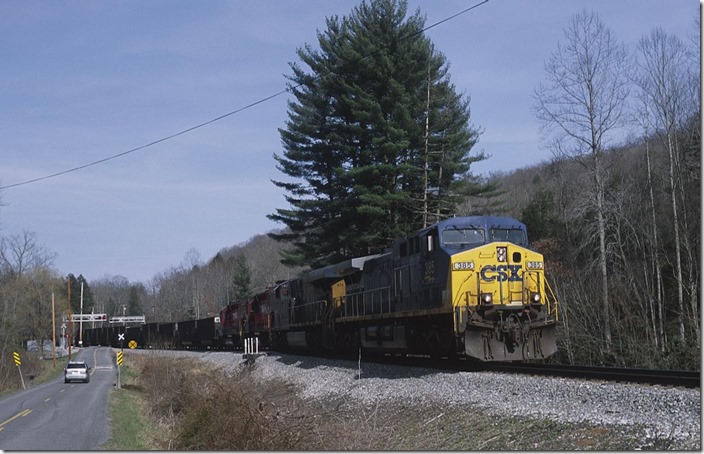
[688,379]
[685,378]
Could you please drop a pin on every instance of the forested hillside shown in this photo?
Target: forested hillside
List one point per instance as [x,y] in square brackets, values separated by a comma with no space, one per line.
[647,318]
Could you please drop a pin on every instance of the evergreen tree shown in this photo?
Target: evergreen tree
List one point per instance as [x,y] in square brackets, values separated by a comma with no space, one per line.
[540,215]
[376,140]
[134,304]
[241,280]
[75,285]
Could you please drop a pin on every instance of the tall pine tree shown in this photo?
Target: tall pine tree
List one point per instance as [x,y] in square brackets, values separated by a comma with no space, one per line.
[75,284]
[377,141]
[241,279]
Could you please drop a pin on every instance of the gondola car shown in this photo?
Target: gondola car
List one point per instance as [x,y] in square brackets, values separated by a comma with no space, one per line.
[199,333]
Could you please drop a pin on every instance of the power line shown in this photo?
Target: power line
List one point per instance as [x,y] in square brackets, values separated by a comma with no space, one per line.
[198,126]
[141,147]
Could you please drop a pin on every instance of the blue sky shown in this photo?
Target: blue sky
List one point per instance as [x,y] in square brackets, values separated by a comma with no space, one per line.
[85,80]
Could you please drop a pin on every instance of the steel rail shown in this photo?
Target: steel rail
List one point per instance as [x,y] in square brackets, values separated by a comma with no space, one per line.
[686,378]
[683,378]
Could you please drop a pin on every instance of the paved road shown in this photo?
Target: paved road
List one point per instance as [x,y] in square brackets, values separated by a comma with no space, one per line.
[61,417]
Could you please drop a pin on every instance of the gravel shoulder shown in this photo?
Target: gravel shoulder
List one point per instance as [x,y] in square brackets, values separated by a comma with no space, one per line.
[430,409]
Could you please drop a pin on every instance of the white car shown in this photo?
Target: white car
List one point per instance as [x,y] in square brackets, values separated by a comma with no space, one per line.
[77,370]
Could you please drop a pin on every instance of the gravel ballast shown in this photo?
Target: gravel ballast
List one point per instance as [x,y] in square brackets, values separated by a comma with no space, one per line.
[657,412]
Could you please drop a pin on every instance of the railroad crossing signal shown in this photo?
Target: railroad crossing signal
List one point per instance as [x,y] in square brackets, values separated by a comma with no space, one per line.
[119,358]
[128,319]
[89,317]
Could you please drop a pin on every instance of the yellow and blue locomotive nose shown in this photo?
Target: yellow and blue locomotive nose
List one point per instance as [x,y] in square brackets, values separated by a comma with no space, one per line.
[496,273]
[502,303]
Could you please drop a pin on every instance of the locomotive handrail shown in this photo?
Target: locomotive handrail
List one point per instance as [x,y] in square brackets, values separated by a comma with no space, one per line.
[374,301]
[552,303]
[311,312]
[355,303]
[525,296]
[467,294]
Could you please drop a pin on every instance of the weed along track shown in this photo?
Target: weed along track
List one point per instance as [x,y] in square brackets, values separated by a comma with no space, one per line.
[215,400]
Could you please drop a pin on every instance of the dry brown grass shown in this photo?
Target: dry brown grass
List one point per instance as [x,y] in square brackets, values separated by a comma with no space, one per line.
[34,370]
[201,408]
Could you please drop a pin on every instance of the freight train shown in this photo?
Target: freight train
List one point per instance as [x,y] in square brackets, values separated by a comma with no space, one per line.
[466,286]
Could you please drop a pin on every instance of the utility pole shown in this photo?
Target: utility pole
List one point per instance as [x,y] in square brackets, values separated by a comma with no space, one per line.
[80,323]
[53,330]
[426,154]
[70,321]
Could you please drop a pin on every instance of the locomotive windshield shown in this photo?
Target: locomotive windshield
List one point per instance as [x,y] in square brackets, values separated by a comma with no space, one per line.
[515,236]
[462,237]
[459,237]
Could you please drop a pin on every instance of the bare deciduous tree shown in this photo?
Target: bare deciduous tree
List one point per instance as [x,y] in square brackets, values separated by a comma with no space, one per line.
[664,78]
[26,283]
[20,253]
[581,106]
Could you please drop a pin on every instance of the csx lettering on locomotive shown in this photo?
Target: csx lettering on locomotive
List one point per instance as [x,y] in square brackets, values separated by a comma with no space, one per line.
[502,273]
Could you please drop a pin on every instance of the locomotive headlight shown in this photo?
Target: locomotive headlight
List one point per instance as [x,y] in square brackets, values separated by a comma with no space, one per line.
[501,254]
[535,297]
[486,298]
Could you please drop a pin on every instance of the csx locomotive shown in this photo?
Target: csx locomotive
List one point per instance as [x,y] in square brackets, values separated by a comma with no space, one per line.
[465,286]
